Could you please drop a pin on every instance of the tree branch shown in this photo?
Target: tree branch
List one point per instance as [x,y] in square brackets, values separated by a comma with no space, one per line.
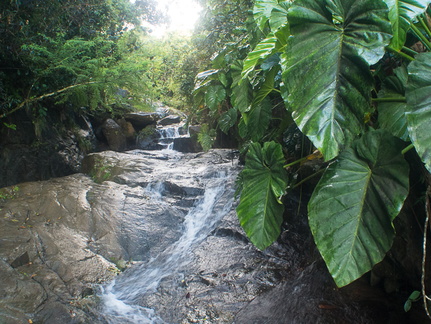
[27,101]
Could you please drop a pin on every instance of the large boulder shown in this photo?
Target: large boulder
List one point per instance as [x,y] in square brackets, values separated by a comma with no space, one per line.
[187,145]
[169,120]
[114,135]
[127,128]
[142,119]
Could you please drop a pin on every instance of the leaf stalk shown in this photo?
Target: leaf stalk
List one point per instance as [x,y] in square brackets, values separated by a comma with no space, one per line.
[401,54]
[422,37]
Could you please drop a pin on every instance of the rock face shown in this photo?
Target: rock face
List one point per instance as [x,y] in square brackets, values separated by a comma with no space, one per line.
[62,237]
[26,157]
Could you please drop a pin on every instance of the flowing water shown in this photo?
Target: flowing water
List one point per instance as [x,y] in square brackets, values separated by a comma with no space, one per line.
[169,133]
[123,300]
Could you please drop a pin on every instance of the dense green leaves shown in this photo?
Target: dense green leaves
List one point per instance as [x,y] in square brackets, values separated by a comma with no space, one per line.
[260,211]
[263,50]
[329,84]
[257,119]
[353,206]
[228,120]
[214,96]
[331,54]
[419,106]
[401,14]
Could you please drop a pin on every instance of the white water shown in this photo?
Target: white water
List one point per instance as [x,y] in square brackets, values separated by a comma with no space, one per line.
[120,298]
[167,136]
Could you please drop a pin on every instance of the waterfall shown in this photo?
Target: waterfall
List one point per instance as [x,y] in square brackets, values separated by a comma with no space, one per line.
[169,133]
[122,297]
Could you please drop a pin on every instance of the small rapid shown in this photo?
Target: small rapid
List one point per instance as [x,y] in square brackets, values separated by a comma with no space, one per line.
[123,300]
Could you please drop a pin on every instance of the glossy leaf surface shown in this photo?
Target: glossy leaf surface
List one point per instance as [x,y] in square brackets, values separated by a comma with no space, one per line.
[353,206]
[418,93]
[264,180]
[392,113]
[401,14]
[329,83]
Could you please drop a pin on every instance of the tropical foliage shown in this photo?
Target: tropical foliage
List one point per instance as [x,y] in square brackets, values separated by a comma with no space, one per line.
[70,54]
[345,73]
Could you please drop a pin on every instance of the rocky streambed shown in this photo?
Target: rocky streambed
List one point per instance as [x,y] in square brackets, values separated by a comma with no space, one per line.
[73,250]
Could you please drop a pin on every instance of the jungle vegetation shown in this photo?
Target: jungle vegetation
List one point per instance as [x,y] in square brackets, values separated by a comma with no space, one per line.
[354,77]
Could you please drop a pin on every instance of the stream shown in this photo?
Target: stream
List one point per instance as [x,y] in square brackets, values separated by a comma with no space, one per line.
[121,298]
[151,236]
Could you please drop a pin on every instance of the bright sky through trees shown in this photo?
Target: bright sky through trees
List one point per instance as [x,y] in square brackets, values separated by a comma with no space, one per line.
[183,15]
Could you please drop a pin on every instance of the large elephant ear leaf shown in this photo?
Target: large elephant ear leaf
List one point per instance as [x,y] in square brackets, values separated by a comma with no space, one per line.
[401,14]
[353,206]
[264,180]
[418,93]
[393,108]
[329,86]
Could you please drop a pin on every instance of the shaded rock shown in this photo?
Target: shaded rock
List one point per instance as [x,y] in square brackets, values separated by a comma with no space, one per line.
[187,145]
[169,120]
[148,139]
[194,130]
[114,135]
[127,128]
[312,297]
[140,119]
[21,260]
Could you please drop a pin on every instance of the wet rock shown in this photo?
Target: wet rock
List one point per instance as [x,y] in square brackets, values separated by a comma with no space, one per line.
[59,238]
[148,139]
[169,120]
[140,119]
[114,135]
[187,145]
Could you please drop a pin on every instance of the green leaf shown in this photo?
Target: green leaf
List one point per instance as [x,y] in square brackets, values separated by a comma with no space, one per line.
[263,50]
[279,15]
[264,181]
[392,113]
[262,11]
[242,128]
[228,120]
[418,114]
[401,14]
[407,305]
[257,119]
[214,96]
[206,137]
[242,93]
[353,206]
[329,83]
[267,86]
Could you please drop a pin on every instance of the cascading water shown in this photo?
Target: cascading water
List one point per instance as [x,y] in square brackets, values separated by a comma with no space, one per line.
[169,133]
[123,298]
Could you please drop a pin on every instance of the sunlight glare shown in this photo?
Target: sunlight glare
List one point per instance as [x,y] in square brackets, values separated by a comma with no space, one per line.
[183,16]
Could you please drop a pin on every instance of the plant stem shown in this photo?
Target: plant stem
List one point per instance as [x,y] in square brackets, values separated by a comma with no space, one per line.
[427,211]
[309,177]
[422,37]
[389,99]
[401,54]
[296,162]
[425,26]
[409,51]
[408,148]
